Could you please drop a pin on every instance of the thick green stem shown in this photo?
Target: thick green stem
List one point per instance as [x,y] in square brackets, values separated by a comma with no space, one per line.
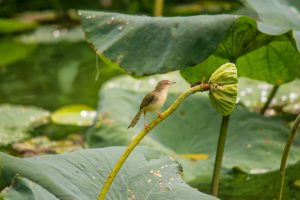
[158,8]
[269,100]
[219,156]
[285,157]
[143,133]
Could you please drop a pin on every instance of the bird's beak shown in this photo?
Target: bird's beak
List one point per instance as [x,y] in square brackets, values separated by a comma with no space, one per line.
[172,83]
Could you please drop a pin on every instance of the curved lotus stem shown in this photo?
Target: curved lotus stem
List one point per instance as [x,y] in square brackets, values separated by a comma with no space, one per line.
[144,132]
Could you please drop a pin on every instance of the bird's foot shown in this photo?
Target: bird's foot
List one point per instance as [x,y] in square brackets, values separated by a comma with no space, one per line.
[160,115]
[147,127]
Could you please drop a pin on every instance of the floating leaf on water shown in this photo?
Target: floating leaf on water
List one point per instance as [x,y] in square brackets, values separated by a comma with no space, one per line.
[78,115]
[195,156]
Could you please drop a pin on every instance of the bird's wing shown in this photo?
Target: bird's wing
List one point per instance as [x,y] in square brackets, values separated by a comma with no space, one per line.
[147,100]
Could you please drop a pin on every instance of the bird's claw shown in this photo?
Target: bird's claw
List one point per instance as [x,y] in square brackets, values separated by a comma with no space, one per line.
[147,127]
[160,115]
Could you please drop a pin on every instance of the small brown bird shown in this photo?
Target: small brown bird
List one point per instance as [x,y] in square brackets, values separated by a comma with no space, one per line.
[153,101]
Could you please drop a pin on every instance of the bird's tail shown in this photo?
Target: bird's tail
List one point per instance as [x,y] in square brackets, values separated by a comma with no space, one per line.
[135,119]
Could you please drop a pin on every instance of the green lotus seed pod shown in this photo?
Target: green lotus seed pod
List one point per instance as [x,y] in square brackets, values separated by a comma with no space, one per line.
[223,88]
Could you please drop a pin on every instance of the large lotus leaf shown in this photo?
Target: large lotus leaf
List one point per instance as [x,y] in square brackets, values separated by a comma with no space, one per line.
[80,175]
[253,94]
[203,71]
[240,186]
[145,45]
[16,121]
[275,63]
[278,15]
[254,143]
[70,79]
[23,189]
[257,55]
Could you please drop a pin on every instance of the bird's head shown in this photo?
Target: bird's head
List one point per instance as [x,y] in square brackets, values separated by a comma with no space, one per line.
[163,84]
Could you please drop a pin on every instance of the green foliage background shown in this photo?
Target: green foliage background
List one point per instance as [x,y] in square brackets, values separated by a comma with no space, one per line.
[47,65]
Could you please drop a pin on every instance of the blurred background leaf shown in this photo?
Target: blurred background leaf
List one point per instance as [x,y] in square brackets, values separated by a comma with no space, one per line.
[16,121]
[254,144]
[253,94]
[13,26]
[12,51]
[62,72]
[78,115]
[47,65]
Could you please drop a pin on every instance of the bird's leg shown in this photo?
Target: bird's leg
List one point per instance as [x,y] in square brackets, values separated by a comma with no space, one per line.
[160,115]
[147,127]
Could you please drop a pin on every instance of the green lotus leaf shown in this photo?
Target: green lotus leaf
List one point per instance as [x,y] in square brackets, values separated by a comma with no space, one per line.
[161,44]
[277,15]
[147,174]
[150,45]
[223,92]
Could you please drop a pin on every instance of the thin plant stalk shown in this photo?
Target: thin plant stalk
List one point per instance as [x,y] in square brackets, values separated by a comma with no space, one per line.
[219,156]
[269,100]
[220,151]
[143,133]
[158,8]
[285,157]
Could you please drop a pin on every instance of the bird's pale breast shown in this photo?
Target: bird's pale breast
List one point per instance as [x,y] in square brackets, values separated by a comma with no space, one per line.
[157,102]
